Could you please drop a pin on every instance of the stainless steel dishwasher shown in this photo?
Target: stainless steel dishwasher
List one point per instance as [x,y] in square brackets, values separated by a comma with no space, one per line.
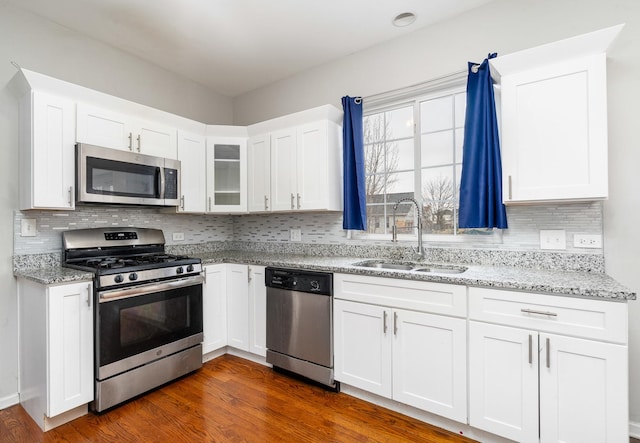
[300,323]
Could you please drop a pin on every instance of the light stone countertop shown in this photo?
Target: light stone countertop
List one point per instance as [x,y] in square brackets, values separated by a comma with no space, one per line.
[568,283]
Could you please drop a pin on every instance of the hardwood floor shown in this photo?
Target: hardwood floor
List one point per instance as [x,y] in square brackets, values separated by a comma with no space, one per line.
[233,400]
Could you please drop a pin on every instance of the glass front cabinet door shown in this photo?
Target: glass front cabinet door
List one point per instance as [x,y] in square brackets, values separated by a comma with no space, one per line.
[226,174]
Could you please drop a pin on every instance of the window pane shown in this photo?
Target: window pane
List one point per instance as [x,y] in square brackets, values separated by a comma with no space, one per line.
[436,115]
[374,158]
[406,222]
[376,216]
[437,184]
[400,123]
[373,128]
[400,183]
[400,156]
[459,144]
[460,109]
[375,188]
[437,148]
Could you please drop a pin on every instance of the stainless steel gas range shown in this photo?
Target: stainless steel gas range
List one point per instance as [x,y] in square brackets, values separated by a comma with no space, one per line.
[148,309]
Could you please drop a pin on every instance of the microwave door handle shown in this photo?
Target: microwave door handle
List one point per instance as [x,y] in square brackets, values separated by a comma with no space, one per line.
[160,182]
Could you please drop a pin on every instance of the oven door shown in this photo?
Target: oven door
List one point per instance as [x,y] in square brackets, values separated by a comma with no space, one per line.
[144,323]
[111,176]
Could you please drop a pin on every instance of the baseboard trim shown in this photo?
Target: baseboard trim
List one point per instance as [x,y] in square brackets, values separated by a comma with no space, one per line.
[634,429]
[9,400]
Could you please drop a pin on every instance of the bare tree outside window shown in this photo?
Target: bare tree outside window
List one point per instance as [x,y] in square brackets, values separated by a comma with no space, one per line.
[438,205]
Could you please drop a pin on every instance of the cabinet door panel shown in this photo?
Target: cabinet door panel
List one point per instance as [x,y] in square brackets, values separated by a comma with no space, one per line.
[259,173]
[155,139]
[101,127]
[70,350]
[429,363]
[214,308]
[583,395]
[363,346]
[283,170]
[257,311]
[237,307]
[503,381]
[226,174]
[191,153]
[312,164]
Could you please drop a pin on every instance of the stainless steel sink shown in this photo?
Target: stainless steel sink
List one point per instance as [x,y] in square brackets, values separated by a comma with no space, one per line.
[413,267]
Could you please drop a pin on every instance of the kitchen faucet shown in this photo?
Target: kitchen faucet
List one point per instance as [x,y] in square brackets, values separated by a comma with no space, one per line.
[394,229]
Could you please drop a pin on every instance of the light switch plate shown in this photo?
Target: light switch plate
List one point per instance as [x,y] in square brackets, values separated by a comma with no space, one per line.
[28,227]
[553,239]
[295,235]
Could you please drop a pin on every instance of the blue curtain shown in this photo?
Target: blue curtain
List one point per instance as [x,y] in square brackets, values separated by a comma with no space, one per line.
[355,209]
[481,182]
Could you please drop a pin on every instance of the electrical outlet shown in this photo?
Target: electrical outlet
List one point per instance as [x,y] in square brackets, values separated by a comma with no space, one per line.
[295,235]
[28,227]
[178,236]
[553,239]
[587,241]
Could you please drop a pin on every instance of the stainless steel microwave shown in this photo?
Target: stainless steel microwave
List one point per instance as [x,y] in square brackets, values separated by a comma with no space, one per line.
[106,175]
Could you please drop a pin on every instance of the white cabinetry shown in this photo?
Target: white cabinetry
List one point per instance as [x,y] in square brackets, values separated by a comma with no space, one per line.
[238,306]
[257,311]
[56,351]
[103,127]
[192,156]
[214,308]
[391,339]
[304,153]
[554,120]
[226,174]
[47,165]
[547,368]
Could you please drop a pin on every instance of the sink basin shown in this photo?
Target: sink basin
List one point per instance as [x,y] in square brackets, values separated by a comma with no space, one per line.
[414,267]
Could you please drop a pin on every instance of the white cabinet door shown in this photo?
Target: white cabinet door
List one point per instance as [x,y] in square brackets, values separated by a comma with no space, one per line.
[311,169]
[429,363]
[257,311]
[503,381]
[226,174]
[47,161]
[362,346]
[155,139]
[259,173]
[192,155]
[283,170]
[101,127]
[554,132]
[70,347]
[583,391]
[237,306]
[214,308]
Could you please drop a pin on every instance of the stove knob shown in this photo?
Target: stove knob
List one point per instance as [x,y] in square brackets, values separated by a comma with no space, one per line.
[179,270]
[119,278]
[133,276]
[190,268]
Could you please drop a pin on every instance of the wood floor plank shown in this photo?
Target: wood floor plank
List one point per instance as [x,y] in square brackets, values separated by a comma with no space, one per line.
[233,400]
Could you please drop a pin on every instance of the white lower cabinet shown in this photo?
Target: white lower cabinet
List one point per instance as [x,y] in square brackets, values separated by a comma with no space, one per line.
[56,350]
[417,358]
[234,304]
[528,383]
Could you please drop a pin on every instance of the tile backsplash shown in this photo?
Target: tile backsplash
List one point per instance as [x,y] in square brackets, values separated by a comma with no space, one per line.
[525,222]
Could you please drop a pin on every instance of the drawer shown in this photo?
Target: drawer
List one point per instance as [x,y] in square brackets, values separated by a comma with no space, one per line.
[437,298]
[579,317]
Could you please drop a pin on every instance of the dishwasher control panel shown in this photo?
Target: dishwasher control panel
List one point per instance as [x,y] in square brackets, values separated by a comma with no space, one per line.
[298,280]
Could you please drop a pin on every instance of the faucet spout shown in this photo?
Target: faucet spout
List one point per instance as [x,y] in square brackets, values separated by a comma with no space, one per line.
[418,214]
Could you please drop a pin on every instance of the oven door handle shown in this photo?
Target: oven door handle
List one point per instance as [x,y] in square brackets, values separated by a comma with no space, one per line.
[117,294]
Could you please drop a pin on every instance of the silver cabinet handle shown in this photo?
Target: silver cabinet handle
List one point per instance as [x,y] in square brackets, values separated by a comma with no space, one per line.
[89,294]
[292,201]
[249,275]
[510,197]
[395,323]
[384,322]
[182,202]
[70,196]
[209,204]
[266,203]
[139,142]
[130,141]
[530,349]
[533,311]
[298,200]
[548,353]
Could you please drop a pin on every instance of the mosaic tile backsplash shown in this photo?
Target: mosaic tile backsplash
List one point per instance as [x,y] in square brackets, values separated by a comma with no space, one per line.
[322,234]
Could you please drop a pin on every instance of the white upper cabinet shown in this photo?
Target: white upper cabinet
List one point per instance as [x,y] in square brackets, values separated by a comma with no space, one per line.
[304,151]
[103,127]
[47,127]
[553,106]
[226,174]
[192,156]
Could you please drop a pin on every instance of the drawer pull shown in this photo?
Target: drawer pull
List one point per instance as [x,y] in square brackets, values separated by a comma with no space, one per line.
[533,311]
[530,349]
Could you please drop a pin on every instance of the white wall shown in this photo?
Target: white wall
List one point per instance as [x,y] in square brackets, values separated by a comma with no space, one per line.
[504,26]
[43,47]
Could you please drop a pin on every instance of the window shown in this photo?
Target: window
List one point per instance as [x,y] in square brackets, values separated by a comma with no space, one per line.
[413,149]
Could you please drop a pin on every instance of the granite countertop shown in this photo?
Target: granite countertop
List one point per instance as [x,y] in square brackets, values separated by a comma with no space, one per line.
[578,284]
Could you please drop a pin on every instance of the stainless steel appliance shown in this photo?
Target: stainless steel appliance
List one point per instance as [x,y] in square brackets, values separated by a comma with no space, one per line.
[106,175]
[148,309]
[300,323]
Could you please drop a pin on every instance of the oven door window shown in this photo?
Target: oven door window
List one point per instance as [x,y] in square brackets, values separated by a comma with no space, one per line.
[133,325]
[111,177]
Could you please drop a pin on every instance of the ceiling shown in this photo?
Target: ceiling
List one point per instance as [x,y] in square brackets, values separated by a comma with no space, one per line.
[235,46]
